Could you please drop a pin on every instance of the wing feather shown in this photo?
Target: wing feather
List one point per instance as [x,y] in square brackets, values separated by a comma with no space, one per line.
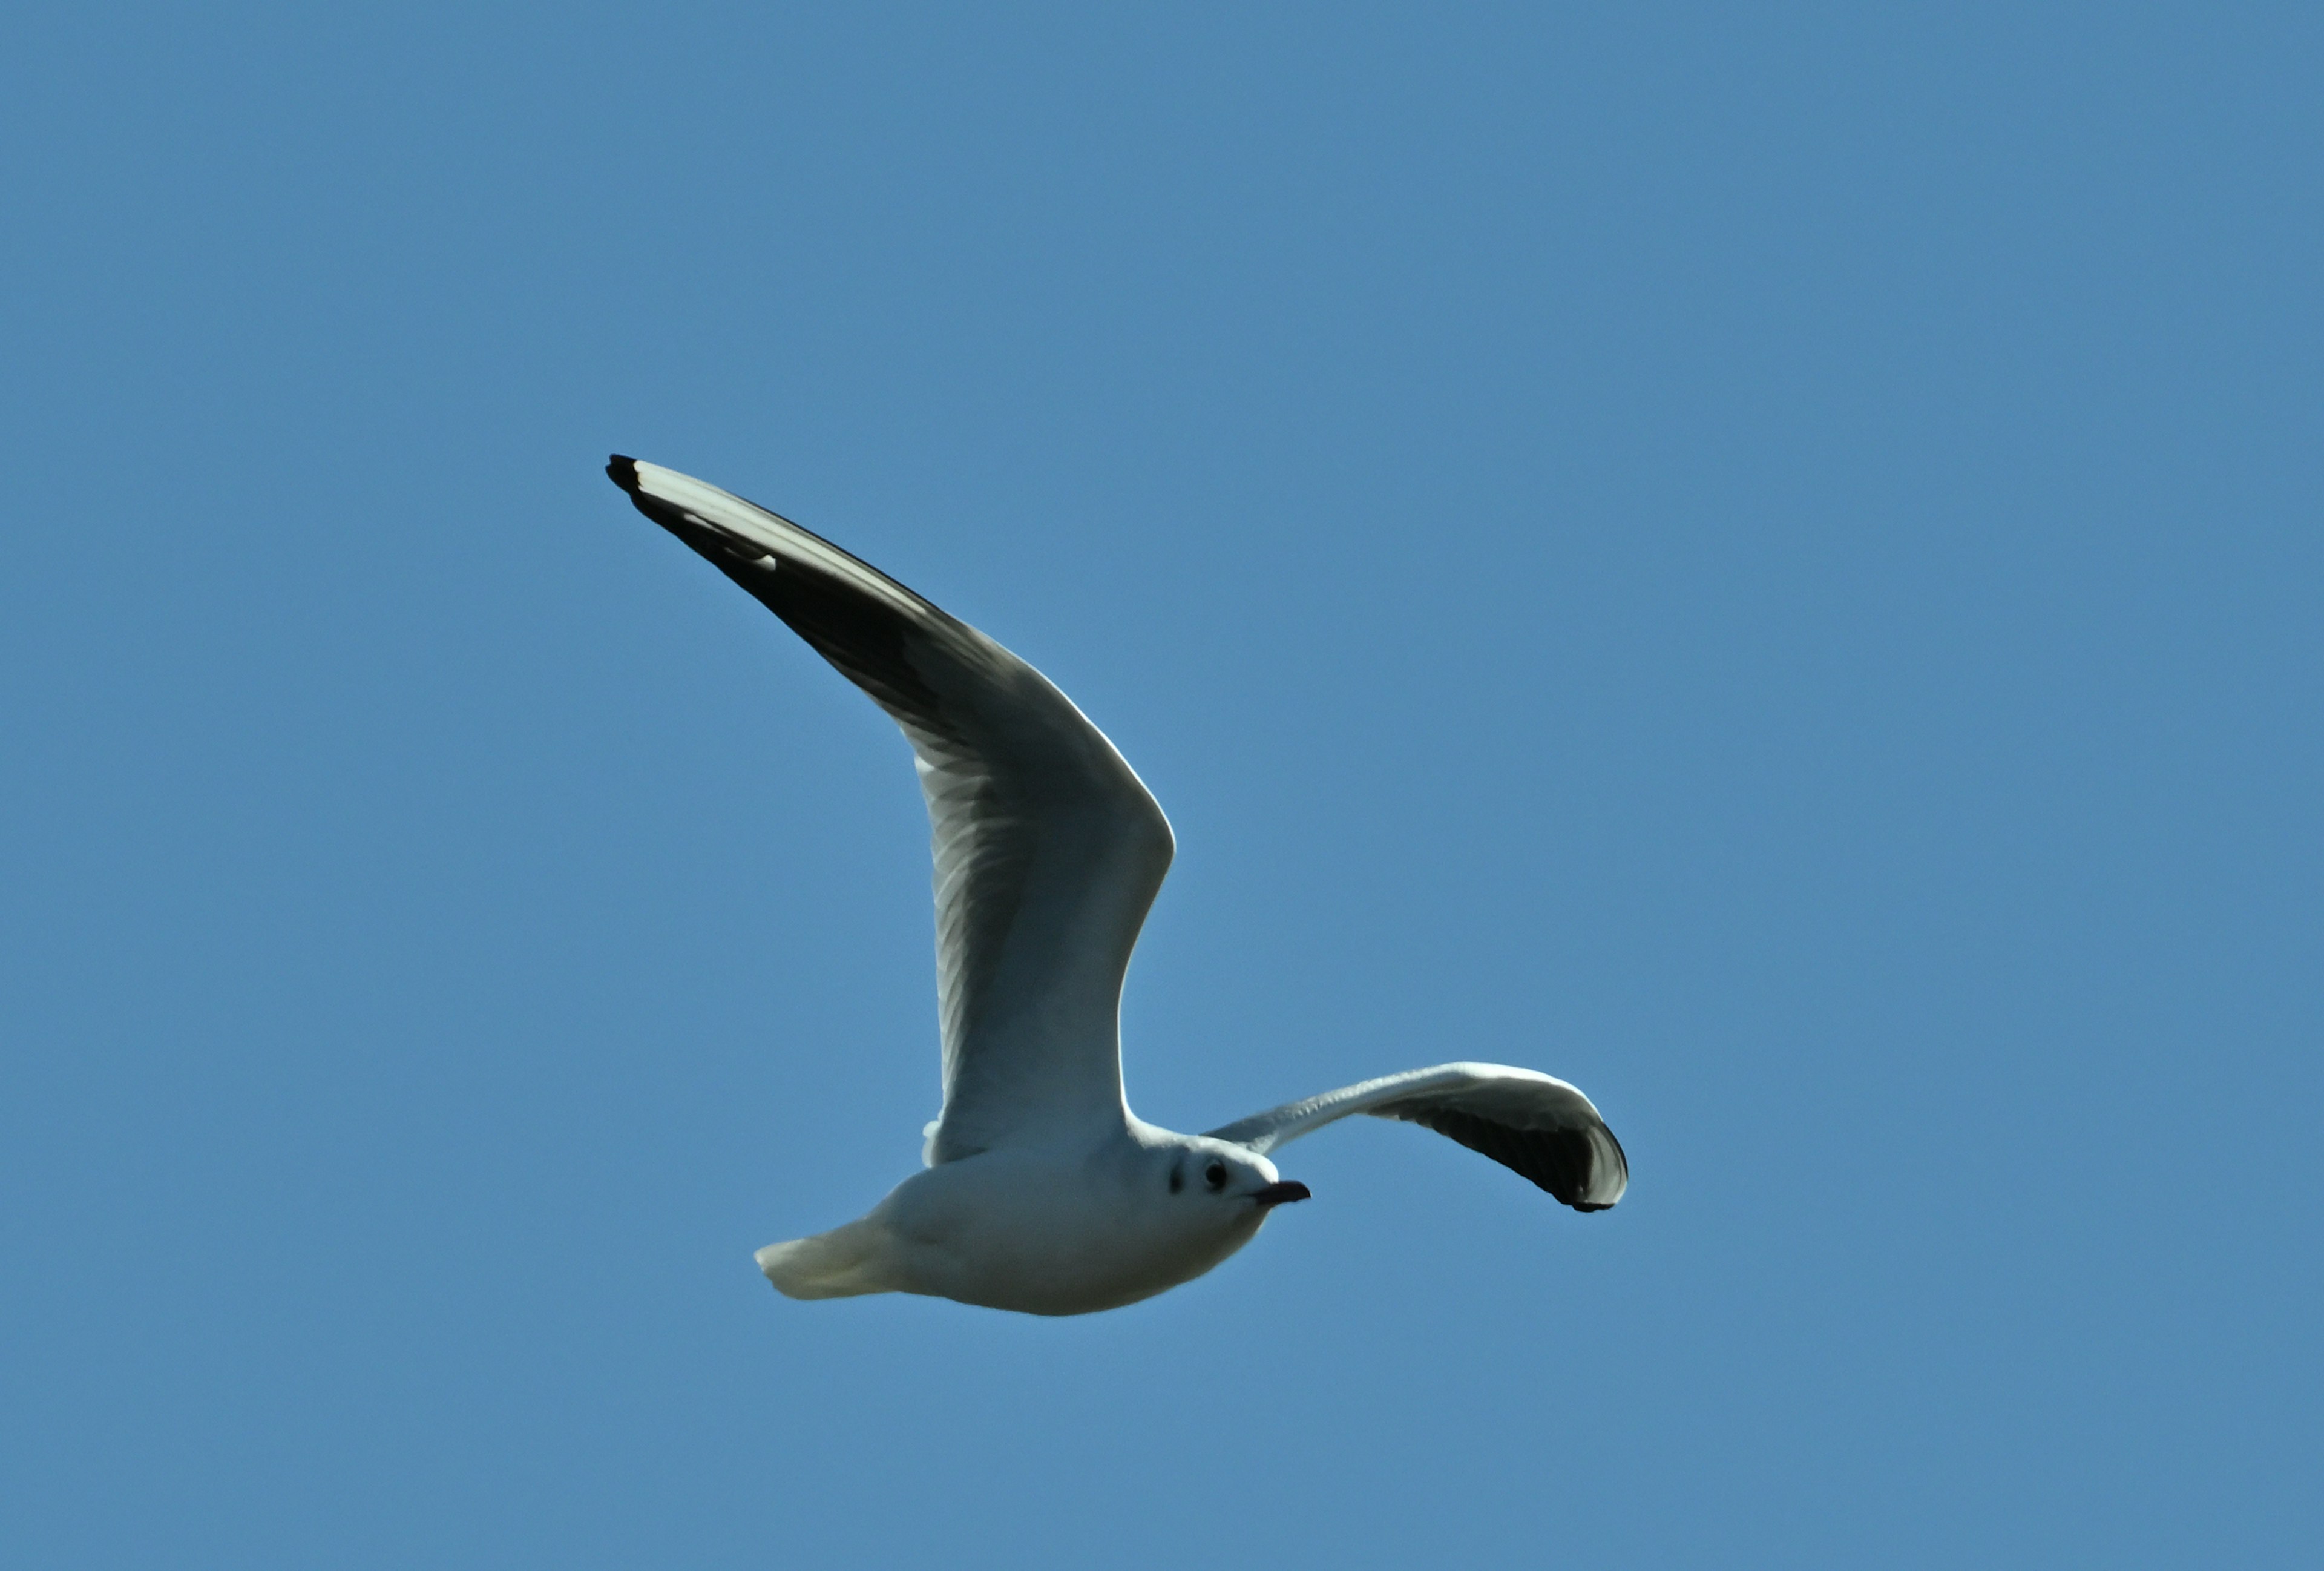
[1048,849]
[1531,1124]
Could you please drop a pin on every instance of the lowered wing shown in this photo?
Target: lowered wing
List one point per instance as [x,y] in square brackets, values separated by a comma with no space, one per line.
[1525,1120]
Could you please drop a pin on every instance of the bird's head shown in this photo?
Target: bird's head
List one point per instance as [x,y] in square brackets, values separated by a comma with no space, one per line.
[1232,1182]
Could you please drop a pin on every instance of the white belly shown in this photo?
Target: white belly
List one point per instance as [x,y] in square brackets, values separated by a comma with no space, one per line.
[1048,1236]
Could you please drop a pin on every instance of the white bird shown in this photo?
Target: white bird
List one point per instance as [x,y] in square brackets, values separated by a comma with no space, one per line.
[1042,1192]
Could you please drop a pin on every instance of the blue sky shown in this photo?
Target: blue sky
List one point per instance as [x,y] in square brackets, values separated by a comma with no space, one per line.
[1763,560]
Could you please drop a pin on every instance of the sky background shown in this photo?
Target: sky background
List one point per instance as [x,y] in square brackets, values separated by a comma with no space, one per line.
[1763,560]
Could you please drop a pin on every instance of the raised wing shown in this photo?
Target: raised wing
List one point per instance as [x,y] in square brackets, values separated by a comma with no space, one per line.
[1048,848]
[1525,1120]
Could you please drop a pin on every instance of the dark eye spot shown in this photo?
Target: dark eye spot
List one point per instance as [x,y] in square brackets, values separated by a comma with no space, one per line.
[1215,1175]
[1177,1177]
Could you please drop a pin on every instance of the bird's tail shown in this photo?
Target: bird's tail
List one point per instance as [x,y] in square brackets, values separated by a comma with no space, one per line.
[842,1263]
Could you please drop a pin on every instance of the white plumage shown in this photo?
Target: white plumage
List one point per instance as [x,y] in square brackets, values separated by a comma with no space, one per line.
[1043,1191]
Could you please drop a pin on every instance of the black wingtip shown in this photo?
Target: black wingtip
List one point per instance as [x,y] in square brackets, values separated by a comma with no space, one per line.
[623,473]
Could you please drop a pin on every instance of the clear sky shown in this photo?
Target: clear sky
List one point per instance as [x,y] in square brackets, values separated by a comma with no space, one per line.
[1763,559]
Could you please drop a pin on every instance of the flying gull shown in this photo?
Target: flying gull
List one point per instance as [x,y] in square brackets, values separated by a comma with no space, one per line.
[1042,1192]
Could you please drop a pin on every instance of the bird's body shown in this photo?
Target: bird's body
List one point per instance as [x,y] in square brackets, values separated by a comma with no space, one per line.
[1042,1192]
[1057,1228]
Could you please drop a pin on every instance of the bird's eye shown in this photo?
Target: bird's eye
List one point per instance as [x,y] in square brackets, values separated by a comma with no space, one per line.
[1215,1175]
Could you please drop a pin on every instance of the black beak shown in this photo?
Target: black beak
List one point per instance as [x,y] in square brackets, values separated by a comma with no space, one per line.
[1275,1194]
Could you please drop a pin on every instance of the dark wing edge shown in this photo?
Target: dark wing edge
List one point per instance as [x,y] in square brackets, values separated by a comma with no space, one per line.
[1540,1128]
[859,620]
[1584,1167]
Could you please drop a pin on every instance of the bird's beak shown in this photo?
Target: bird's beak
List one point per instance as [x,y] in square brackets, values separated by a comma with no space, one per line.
[1275,1194]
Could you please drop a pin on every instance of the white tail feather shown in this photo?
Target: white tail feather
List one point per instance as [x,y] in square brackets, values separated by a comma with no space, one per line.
[844,1263]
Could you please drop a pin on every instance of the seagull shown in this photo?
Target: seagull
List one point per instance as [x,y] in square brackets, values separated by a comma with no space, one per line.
[1040,1191]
